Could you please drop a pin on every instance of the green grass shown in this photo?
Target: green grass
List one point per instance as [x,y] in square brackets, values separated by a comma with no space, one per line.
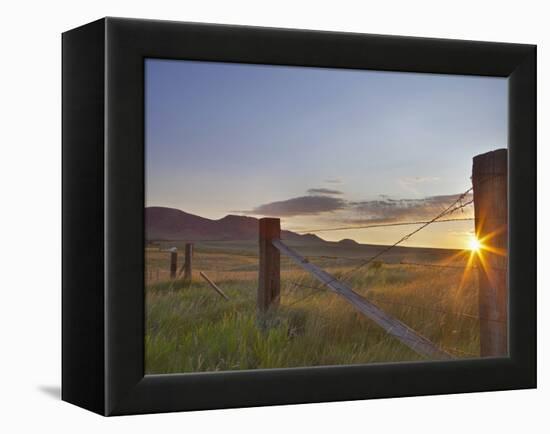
[193,329]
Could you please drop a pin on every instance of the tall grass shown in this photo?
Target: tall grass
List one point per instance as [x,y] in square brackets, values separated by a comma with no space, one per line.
[192,329]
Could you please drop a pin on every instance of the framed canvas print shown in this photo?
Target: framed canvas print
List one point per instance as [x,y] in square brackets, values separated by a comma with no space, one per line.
[258,216]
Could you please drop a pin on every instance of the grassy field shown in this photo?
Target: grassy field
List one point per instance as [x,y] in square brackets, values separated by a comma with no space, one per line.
[191,329]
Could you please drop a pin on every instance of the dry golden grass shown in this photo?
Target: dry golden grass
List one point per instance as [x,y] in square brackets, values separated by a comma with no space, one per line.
[190,329]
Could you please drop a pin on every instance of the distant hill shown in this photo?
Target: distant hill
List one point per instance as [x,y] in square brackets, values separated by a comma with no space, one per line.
[173,224]
[348,242]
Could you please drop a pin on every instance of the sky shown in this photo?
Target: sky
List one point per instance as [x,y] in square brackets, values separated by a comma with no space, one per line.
[319,147]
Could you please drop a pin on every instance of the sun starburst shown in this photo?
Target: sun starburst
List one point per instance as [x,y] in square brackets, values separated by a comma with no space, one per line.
[474,244]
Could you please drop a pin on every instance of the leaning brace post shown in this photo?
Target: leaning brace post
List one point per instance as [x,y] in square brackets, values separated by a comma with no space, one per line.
[173,263]
[188,264]
[490,182]
[269,280]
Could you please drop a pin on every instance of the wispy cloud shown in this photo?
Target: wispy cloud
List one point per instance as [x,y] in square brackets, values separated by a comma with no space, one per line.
[304,205]
[384,209]
[388,209]
[333,181]
[327,191]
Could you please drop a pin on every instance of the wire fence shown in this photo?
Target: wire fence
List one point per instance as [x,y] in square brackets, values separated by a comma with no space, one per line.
[451,267]
[385,225]
[345,268]
[221,262]
[456,205]
[289,270]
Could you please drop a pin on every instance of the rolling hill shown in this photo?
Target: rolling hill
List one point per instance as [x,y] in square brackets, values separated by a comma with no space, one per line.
[173,224]
[168,225]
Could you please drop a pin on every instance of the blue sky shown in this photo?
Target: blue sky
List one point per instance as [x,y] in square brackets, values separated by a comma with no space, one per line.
[316,146]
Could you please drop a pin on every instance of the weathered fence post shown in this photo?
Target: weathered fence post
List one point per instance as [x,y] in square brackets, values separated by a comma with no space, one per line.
[490,182]
[269,279]
[188,264]
[173,263]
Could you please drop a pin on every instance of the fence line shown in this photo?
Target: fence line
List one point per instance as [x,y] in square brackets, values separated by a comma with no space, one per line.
[361,258]
[426,264]
[311,294]
[450,209]
[455,206]
[490,204]
[384,225]
[392,326]
[460,267]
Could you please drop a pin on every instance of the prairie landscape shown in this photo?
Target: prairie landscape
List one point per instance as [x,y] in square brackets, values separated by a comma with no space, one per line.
[331,213]
[191,328]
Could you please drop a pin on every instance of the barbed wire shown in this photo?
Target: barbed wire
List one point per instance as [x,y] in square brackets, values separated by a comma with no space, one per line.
[362,258]
[460,267]
[406,338]
[450,209]
[453,207]
[425,264]
[311,294]
[383,225]
[461,207]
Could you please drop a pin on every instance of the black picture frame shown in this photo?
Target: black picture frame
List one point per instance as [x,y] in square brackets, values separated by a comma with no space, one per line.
[103,216]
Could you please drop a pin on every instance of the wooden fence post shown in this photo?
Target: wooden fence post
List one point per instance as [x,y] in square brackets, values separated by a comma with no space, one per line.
[188,264]
[269,279]
[173,263]
[490,182]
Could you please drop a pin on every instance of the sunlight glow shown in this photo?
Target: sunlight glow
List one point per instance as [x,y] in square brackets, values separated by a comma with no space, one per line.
[474,244]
